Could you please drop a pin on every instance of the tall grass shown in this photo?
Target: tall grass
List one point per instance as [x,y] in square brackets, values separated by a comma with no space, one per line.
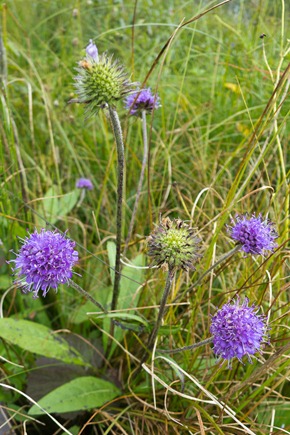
[218,146]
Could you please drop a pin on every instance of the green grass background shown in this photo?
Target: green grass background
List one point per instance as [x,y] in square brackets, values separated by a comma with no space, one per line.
[219,145]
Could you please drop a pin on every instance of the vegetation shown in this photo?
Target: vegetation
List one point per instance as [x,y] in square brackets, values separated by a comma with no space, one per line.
[218,147]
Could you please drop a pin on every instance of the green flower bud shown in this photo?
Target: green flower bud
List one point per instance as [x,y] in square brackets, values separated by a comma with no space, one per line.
[101,80]
[173,245]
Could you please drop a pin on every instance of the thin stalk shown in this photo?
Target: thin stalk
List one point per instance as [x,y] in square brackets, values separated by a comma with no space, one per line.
[141,179]
[87,295]
[154,331]
[190,347]
[82,197]
[213,266]
[100,306]
[217,263]
[116,126]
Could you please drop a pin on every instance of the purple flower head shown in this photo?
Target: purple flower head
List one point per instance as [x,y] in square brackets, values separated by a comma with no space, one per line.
[92,51]
[145,101]
[254,234]
[84,183]
[237,330]
[44,261]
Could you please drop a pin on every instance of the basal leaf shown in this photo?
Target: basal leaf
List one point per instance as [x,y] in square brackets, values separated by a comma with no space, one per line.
[82,393]
[67,202]
[38,339]
[55,206]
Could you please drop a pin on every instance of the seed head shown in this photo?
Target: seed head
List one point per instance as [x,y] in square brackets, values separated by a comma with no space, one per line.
[101,80]
[142,100]
[254,234]
[84,183]
[173,245]
[238,331]
[44,261]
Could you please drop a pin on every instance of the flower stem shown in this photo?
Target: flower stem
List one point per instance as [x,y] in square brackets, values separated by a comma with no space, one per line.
[90,298]
[192,346]
[120,152]
[154,331]
[141,179]
[213,266]
[82,197]
[87,295]
[217,263]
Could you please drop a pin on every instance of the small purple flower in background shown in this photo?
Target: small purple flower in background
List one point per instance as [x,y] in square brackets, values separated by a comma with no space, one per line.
[44,261]
[84,183]
[145,101]
[254,234]
[238,331]
[92,51]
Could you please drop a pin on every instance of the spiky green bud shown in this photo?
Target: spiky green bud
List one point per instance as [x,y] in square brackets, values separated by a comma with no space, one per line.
[173,245]
[101,81]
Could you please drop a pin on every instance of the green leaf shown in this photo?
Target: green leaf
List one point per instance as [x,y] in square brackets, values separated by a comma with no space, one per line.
[67,202]
[81,393]
[130,285]
[111,247]
[123,316]
[38,339]
[127,321]
[79,314]
[55,206]
[169,330]
[5,281]
[129,294]
[131,279]
[48,205]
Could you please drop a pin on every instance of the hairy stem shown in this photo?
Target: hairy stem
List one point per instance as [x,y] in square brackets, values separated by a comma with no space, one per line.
[119,217]
[87,295]
[190,347]
[154,331]
[141,179]
[213,266]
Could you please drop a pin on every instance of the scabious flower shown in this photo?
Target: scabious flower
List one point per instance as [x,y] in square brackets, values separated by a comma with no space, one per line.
[253,233]
[237,331]
[92,51]
[84,183]
[142,100]
[101,80]
[44,261]
[173,245]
